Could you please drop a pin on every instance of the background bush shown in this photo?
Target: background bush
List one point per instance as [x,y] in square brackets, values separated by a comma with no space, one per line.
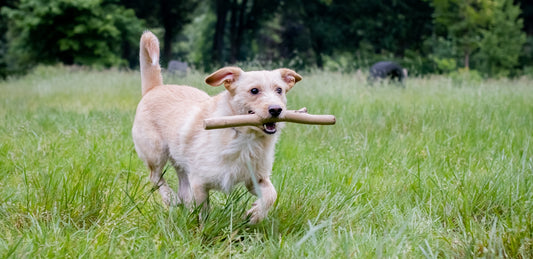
[427,37]
[86,32]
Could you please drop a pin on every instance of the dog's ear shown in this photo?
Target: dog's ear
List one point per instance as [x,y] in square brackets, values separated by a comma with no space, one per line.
[225,75]
[290,77]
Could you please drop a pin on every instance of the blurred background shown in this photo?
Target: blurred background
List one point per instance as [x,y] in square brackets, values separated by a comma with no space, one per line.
[493,38]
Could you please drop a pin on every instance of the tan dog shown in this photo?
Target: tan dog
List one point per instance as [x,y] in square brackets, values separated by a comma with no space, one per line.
[168,126]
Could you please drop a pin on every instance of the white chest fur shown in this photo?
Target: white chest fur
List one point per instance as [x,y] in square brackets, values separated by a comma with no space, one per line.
[245,157]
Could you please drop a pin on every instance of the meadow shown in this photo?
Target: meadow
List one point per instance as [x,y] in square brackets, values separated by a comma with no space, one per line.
[439,168]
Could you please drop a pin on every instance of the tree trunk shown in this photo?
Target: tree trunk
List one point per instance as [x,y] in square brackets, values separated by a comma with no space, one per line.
[319,60]
[234,12]
[241,28]
[218,40]
[317,48]
[237,28]
[167,46]
[467,60]
[170,30]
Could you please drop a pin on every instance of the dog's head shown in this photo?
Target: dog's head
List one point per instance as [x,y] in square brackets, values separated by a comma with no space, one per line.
[257,92]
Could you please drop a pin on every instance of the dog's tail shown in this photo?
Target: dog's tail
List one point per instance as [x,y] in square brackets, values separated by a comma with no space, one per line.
[149,61]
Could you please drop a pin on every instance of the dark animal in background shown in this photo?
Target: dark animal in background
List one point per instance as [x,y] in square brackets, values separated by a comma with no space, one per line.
[387,70]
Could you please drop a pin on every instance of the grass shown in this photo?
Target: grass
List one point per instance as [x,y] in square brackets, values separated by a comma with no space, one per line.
[431,170]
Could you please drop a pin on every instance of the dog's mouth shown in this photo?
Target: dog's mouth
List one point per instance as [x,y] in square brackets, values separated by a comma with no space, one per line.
[270,128]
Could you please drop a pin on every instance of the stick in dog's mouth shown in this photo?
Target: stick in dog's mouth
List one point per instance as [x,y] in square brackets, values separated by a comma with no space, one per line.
[269,127]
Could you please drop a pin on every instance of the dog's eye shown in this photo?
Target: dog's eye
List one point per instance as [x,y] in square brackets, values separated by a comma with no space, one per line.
[254,91]
[279,90]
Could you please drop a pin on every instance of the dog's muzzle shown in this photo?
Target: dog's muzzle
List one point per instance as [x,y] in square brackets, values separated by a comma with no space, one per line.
[271,127]
[274,111]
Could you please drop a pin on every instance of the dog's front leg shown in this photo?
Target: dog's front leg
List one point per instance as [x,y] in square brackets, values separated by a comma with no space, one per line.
[200,200]
[266,197]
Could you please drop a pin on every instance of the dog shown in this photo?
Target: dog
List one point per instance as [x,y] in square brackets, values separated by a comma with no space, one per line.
[387,69]
[168,126]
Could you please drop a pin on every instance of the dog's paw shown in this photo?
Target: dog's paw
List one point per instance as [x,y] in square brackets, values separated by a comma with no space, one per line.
[256,213]
[169,197]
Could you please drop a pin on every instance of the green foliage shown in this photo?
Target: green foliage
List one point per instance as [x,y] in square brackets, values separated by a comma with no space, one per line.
[465,76]
[317,29]
[445,65]
[433,36]
[501,42]
[526,57]
[442,53]
[3,40]
[463,21]
[86,32]
[487,32]
[196,42]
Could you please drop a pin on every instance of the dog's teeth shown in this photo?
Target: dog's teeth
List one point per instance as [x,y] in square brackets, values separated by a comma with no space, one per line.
[269,128]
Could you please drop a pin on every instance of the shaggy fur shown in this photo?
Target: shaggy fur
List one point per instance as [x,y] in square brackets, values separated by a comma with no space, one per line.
[168,126]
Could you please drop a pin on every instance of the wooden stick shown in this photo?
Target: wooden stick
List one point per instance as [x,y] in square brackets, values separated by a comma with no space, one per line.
[298,116]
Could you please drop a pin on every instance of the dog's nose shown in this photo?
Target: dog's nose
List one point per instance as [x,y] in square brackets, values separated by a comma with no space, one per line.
[274,110]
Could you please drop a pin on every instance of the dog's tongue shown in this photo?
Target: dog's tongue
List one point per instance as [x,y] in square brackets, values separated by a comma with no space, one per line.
[270,128]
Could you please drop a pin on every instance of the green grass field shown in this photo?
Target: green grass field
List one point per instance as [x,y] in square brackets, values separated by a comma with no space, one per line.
[431,170]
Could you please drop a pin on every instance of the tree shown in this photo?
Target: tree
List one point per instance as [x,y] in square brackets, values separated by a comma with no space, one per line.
[463,21]
[389,25]
[84,32]
[3,40]
[324,27]
[172,15]
[501,42]
[526,58]
[526,15]
[221,7]
[324,31]
[240,20]
[487,30]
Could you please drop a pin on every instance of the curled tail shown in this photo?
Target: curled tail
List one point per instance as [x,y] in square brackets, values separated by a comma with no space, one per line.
[149,61]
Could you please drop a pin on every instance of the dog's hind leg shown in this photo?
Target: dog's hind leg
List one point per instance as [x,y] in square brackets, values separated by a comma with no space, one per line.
[154,152]
[184,190]
[156,177]
[190,193]
[201,198]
